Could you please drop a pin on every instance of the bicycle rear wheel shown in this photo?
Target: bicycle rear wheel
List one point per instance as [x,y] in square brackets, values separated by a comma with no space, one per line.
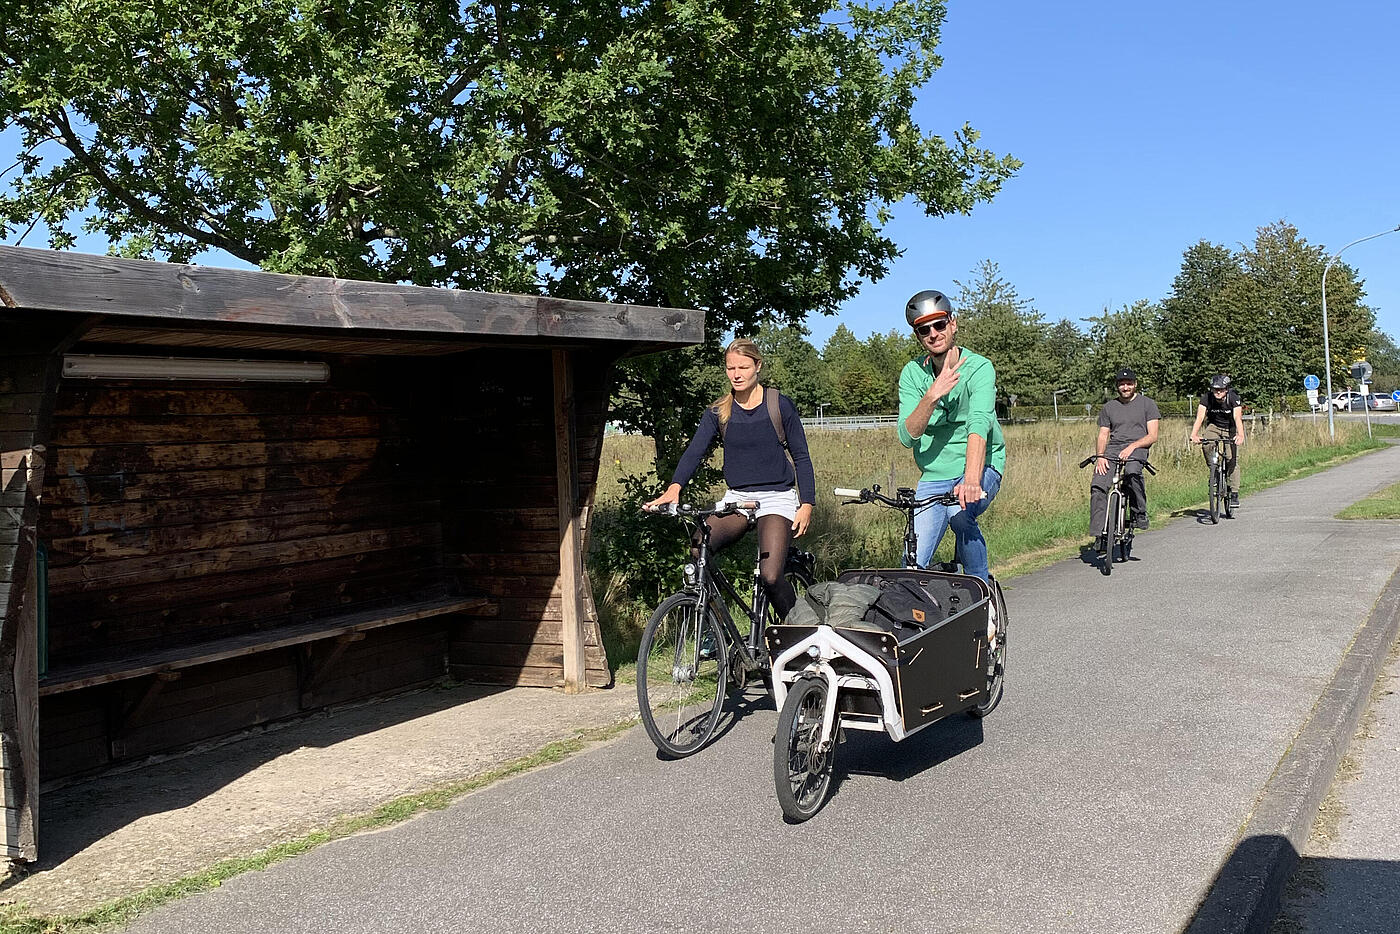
[681,675]
[996,672]
[801,774]
[1215,493]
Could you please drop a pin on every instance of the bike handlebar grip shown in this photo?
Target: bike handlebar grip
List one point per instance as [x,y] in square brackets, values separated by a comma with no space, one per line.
[842,491]
[1087,461]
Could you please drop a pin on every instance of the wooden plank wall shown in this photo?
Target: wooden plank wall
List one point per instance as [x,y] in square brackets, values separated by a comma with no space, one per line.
[501,521]
[28,370]
[185,513]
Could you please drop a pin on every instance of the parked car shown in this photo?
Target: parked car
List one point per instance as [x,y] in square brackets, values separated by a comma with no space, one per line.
[1348,401]
[1379,403]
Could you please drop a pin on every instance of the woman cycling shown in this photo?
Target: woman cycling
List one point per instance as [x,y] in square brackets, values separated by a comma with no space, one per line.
[759,466]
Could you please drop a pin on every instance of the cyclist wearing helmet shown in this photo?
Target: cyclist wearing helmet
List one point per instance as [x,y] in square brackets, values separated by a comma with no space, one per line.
[1220,412]
[947,416]
[1127,428]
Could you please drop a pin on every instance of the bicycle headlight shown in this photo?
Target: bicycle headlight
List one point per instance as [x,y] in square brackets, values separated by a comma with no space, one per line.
[813,652]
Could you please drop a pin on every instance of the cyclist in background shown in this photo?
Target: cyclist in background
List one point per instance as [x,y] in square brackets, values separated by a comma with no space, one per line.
[947,415]
[1127,428]
[1221,413]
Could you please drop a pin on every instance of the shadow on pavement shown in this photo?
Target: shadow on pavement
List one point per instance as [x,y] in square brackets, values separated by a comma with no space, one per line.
[1266,887]
[1341,896]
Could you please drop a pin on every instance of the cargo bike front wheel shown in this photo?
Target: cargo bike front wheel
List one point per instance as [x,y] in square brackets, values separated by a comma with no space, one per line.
[802,763]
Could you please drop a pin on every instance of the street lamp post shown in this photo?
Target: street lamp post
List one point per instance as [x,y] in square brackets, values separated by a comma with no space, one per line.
[1055,401]
[1326,342]
[820,406]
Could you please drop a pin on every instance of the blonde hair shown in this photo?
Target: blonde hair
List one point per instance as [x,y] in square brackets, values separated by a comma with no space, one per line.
[724,405]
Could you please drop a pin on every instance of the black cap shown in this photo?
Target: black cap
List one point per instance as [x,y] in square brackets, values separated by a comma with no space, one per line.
[1125,373]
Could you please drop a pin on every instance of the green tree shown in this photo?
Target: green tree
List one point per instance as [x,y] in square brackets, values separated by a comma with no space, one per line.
[792,364]
[1131,337]
[888,353]
[1256,314]
[1070,353]
[995,321]
[739,158]
[1196,324]
[853,380]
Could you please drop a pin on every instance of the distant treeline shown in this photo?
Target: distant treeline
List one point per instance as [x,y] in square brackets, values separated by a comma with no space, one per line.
[1255,313]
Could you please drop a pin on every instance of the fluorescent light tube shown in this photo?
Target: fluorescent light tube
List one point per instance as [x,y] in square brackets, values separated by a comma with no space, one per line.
[98,366]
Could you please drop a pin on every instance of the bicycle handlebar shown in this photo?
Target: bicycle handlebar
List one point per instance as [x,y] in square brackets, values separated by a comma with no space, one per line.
[1115,460]
[903,499]
[721,508]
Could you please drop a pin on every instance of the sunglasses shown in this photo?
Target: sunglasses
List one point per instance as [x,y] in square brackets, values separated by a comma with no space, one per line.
[940,325]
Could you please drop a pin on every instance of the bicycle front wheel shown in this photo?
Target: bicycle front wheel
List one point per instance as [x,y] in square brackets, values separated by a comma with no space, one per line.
[1111,530]
[802,773]
[1215,494]
[681,675]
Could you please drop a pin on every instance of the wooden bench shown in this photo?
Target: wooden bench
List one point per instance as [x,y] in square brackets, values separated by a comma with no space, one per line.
[166,663]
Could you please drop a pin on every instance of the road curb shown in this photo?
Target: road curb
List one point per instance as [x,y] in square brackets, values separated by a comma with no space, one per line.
[1244,899]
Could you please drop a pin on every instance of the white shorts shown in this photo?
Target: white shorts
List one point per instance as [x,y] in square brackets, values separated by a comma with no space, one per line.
[770,502]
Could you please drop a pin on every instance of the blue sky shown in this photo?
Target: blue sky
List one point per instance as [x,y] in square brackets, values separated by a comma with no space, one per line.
[1144,127]
[1147,126]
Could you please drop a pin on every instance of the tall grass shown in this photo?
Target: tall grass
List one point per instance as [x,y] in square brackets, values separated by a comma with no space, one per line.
[1041,513]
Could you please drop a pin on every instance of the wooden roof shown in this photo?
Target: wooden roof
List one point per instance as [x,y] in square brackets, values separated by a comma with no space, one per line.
[144,302]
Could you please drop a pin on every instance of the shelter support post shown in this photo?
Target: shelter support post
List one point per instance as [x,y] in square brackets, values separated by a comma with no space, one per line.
[571,576]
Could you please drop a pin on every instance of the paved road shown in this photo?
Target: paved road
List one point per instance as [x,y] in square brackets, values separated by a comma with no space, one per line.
[1144,713]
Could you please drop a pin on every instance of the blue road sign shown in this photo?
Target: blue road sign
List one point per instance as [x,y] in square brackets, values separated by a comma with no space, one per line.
[1395,395]
[1310,382]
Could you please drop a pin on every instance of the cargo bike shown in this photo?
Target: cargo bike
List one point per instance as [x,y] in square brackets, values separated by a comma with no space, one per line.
[931,644]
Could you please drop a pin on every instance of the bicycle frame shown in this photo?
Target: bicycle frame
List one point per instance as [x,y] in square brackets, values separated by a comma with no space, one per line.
[713,586]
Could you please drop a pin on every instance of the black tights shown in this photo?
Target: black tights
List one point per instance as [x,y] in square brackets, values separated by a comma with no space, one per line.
[774,533]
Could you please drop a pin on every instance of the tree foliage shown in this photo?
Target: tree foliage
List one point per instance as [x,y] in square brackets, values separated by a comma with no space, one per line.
[735,157]
[996,322]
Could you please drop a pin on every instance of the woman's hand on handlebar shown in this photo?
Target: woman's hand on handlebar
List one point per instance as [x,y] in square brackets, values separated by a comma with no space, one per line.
[672,495]
[802,520]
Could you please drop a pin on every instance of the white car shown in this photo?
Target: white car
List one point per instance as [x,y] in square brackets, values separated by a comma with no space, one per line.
[1353,401]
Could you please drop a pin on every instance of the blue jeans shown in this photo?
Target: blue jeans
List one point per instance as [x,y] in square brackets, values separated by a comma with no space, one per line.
[932,521]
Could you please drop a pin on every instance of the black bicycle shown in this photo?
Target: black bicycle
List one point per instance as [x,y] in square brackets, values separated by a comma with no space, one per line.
[693,650]
[1218,489]
[1118,527]
[904,500]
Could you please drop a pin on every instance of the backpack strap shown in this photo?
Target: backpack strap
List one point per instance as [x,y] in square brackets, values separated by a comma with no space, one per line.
[775,415]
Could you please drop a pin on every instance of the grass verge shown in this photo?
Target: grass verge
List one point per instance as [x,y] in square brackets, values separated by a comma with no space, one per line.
[16,919]
[1383,504]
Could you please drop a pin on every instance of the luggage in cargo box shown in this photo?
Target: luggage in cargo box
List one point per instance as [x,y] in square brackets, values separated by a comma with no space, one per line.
[929,629]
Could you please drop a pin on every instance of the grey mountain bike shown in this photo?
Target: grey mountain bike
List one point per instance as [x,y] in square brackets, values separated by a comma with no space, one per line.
[1118,526]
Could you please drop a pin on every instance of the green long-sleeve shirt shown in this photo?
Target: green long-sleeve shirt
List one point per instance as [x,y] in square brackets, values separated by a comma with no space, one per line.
[970,408]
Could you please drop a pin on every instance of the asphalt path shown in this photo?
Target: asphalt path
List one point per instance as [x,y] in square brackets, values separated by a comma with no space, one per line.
[1144,713]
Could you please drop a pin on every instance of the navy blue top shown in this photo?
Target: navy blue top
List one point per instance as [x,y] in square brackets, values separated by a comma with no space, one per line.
[753,456]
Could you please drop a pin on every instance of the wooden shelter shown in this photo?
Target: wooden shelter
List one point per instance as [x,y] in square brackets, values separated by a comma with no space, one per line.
[230,497]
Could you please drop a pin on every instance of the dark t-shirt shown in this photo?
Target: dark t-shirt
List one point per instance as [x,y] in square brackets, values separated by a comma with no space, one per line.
[1221,412]
[1127,421]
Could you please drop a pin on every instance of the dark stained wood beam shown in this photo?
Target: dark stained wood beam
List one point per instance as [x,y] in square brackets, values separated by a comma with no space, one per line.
[48,280]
